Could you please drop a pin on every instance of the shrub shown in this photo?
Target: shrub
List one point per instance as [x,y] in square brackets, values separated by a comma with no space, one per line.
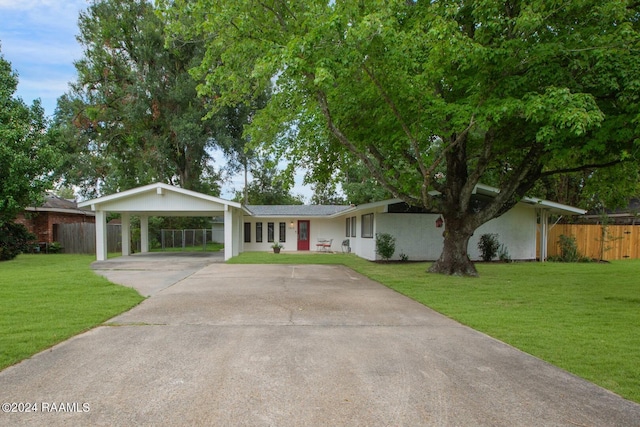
[14,239]
[503,254]
[488,246]
[55,247]
[403,257]
[568,251]
[385,245]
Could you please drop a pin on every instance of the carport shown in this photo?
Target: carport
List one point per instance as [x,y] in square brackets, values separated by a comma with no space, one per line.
[161,199]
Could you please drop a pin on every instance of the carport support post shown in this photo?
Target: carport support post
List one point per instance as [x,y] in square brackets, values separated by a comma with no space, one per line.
[144,233]
[126,233]
[228,233]
[101,235]
[544,233]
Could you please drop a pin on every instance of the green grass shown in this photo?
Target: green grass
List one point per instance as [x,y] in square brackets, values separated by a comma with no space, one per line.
[45,299]
[584,318]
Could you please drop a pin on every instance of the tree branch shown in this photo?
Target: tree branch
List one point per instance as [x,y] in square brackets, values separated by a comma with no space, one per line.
[583,167]
[344,140]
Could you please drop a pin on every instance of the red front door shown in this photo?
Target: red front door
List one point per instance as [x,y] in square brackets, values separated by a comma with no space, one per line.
[303,235]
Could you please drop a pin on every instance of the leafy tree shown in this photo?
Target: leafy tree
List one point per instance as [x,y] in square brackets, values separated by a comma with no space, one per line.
[432,95]
[27,158]
[133,115]
[326,194]
[269,186]
[360,187]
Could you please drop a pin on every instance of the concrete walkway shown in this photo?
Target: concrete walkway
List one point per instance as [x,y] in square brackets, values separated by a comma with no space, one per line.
[276,345]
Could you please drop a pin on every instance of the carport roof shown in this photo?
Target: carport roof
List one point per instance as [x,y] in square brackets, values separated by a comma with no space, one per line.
[161,199]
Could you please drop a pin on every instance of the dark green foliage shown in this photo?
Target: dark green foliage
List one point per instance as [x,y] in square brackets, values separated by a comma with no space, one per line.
[14,240]
[27,159]
[568,251]
[503,254]
[488,246]
[269,186]
[55,248]
[385,245]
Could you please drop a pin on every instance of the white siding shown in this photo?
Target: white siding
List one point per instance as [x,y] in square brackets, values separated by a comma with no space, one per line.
[416,234]
[418,237]
[320,228]
[516,229]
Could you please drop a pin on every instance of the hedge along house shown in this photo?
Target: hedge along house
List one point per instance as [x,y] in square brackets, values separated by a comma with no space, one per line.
[418,232]
[163,200]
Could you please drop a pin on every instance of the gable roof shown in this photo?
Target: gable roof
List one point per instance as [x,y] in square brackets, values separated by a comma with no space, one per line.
[161,199]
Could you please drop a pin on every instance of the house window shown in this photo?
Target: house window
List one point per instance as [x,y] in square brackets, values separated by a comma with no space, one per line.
[348,228]
[247,232]
[258,232]
[283,231]
[367,226]
[353,226]
[270,232]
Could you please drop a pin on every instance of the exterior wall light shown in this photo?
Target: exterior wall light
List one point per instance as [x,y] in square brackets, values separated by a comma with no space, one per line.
[439,222]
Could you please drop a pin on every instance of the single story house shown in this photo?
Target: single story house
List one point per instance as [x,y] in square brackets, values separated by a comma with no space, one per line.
[326,228]
[418,233]
[42,220]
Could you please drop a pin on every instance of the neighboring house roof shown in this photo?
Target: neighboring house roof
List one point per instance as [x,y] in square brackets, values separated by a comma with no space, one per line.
[631,213]
[296,210]
[53,203]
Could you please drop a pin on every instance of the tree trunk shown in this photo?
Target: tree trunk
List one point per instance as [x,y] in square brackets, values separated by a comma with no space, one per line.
[454,260]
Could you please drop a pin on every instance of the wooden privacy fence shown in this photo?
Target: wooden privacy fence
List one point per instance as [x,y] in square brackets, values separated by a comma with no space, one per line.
[598,242]
[80,238]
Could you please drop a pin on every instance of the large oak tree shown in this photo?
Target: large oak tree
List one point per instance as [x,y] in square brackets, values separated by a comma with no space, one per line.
[433,97]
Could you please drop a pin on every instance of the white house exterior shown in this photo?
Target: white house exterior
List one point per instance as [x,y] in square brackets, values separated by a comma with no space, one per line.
[303,228]
[300,228]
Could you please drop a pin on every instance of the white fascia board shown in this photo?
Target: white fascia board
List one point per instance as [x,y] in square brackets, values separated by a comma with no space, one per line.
[160,187]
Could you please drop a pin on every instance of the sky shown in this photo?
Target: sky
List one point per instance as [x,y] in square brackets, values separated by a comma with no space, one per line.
[38,38]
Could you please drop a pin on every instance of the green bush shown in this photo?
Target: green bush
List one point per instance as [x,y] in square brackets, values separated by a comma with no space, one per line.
[385,245]
[14,239]
[503,254]
[568,251]
[488,246]
[55,248]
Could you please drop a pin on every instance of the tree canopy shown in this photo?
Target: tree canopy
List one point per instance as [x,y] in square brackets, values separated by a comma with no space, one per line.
[27,159]
[432,97]
[133,115]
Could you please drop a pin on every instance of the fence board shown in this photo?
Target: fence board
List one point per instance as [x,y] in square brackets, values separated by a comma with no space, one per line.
[80,238]
[612,242]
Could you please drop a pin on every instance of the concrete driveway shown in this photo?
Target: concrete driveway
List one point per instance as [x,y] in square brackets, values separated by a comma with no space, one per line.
[277,345]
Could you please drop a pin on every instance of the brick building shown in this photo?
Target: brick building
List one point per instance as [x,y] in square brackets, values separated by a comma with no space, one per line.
[55,210]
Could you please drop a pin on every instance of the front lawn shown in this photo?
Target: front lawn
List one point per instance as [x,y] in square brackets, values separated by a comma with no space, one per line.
[45,299]
[584,318]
